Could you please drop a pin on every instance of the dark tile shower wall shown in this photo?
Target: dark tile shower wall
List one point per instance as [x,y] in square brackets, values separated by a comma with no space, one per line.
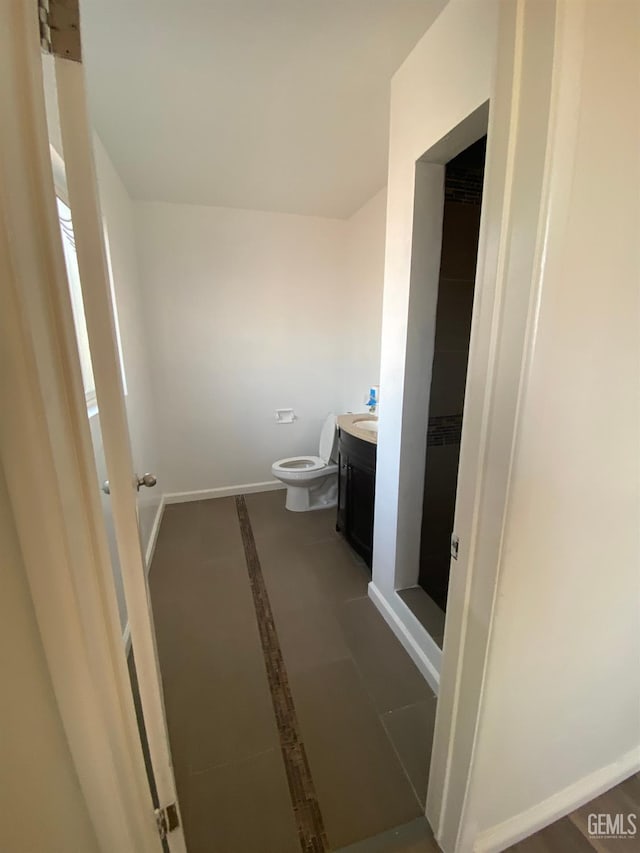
[463,195]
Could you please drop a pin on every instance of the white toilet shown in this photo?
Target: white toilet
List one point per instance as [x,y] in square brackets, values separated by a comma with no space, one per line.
[311,481]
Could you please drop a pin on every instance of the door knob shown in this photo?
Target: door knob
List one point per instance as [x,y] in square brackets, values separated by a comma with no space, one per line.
[147,480]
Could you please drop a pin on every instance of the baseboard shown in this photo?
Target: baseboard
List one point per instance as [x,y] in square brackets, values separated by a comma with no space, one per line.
[223,492]
[153,536]
[557,806]
[148,557]
[411,646]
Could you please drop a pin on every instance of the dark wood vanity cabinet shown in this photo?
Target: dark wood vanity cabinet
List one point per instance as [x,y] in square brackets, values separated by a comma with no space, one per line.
[356,493]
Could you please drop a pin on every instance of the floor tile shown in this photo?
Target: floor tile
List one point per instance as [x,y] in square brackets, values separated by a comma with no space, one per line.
[220,715]
[426,845]
[388,673]
[631,788]
[363,707]
[360,784]
[195,583]
[242,807]
[412,837]
[618,800]
[198,530]
[219,528]
[339,576]
[561,837]
[426,611]
[227,703]
[310,637]
[410,730]
[270,519]
[214,681]
[188,614]
[179,535]
[289,577]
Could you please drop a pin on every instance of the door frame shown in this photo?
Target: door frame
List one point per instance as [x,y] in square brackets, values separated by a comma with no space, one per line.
[511,253]
[47,457]
[511,248]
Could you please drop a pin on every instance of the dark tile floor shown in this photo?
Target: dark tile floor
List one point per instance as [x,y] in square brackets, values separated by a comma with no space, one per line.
[365,714]
[426,611]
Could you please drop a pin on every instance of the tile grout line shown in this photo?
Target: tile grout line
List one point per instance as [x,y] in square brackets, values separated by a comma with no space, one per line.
[402,767]
[304,800]
[380,714]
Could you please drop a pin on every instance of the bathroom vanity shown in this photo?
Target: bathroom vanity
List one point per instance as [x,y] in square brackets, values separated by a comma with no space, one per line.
[357,447]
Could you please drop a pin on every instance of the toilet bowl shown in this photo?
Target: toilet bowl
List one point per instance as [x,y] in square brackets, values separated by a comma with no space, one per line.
[311,481]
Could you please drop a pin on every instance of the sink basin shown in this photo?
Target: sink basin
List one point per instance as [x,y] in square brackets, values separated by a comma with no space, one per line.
[369,426]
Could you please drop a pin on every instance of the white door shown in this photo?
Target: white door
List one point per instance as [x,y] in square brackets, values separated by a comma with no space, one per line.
[123,482]
[86,370]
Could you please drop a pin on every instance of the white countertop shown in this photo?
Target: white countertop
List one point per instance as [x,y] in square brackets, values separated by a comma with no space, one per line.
[346,422]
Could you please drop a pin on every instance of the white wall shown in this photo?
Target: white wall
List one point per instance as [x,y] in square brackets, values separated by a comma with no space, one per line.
[550,547]
[560,718]
[42,805]
[519,118]
[253,311]
[560,695]
[362,300]
[458,52]
[447,77]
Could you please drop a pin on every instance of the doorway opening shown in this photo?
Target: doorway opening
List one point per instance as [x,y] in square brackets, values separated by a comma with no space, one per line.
[464,176]
[449,183]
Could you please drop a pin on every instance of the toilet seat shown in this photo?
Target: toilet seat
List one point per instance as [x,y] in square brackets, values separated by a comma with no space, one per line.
[303,467]
[294,464]
[328,438]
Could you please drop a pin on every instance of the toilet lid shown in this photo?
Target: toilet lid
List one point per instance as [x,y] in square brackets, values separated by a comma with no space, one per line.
[327,438]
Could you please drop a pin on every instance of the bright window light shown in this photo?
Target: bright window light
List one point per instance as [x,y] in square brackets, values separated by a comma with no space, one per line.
[73,276]
[77,305]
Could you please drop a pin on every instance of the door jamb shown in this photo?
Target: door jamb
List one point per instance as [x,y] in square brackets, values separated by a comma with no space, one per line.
[510,254]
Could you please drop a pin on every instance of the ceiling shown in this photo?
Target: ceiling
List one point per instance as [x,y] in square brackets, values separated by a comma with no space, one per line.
[278,105]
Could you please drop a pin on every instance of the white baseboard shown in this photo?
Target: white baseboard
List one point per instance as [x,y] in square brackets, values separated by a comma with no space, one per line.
[223,492]
[408,640]
[559,805]
[153,536]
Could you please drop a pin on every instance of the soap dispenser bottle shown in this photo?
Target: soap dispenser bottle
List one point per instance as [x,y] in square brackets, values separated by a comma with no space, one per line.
[374,399]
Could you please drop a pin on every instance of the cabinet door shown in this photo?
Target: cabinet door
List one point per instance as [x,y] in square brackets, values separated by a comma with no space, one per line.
[341,521]
[361,485]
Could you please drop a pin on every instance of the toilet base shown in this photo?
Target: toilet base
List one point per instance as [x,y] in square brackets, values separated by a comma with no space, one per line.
[322,495]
